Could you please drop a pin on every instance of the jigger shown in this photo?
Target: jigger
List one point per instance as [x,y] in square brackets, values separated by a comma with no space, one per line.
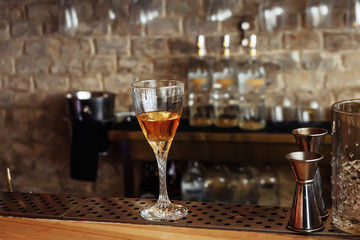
[305,215]
[311,140]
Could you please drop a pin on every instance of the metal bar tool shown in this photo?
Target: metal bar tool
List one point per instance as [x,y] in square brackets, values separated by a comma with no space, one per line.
[305,215]
[311,140]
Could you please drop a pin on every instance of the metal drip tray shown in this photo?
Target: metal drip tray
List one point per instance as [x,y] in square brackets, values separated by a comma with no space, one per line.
[127,210]
[37,205]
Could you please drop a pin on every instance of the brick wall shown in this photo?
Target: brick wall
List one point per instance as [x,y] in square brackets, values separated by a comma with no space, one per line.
[38,65]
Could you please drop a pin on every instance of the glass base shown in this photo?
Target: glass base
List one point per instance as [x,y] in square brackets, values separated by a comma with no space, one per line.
[152,213]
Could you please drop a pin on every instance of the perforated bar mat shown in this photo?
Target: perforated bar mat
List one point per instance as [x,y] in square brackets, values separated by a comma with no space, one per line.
[37,205]
[127,210]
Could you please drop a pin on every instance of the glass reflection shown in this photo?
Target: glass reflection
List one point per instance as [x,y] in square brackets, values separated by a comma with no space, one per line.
[272,15]
[68,20]
[144,11]
[318,13]
[220,10]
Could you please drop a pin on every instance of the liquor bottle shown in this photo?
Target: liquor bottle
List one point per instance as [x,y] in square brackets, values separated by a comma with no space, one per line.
[268,187]
[251,77]
[280,102]
[242,185]
[192,182]
[198,86]
[224,94]
[216,184]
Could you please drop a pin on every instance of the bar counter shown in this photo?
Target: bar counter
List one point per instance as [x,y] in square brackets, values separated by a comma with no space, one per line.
[22,228]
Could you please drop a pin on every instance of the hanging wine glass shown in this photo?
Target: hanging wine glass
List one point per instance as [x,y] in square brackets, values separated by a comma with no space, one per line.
[220,10]
[272,15]
[353,15]
[68,20]
[107,10]
[144,11]
[318,13]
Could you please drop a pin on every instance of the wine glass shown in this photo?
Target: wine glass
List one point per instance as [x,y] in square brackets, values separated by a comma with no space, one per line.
[68,20]
[272,15]
[158,107]
[220,10]
[318,13]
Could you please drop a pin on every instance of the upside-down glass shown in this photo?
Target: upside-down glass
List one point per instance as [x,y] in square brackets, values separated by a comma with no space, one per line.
[345,162]
[158,107]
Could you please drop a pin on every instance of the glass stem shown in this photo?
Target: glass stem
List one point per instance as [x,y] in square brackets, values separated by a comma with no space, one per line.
[163,201]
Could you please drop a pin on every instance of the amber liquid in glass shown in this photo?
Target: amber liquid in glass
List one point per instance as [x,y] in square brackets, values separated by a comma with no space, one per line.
[159,128]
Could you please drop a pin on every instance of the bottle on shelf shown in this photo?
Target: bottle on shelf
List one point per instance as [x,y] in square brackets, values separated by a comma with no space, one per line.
[198,86]
[224,93]
[192,182]
[251,83]
[268,187]
[280,102]
[242,186]
[216,184]
[313,103]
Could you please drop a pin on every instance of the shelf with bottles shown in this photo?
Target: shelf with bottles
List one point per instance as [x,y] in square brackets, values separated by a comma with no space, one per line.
[226,183]
[248,95]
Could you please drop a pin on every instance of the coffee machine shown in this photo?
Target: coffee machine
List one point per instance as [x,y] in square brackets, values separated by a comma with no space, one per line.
[91,115]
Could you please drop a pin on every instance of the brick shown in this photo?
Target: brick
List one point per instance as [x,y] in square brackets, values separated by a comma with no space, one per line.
[143,67]
[11,12]
[287,60]
[23,115]
[165,26]
[320,61]
[84,10]
[91,83]
[45,135]
[93,28]
[120,84]
[2,117]
[196,25]
[183,8]
[339,41]
[302,40]
[15,130]
[7,66]
[44,47]
[100,64]
[6,98]
[11,48]
[269,42]
[182,45]
[28,64]
[64,65]
[351,61]
[342,80]
[152,47]
[24,149]
[20,82]
[26,29]
[4,30]
[124,28]
[79,47]
[29,99]
[42,11]
[170,67]
[297,80]
[51,82]
[113,45]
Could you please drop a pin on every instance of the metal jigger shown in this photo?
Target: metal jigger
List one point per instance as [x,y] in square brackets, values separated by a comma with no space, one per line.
[311,140]
[305,215]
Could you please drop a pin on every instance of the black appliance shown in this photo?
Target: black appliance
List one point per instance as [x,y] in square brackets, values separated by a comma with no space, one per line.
[91,115]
